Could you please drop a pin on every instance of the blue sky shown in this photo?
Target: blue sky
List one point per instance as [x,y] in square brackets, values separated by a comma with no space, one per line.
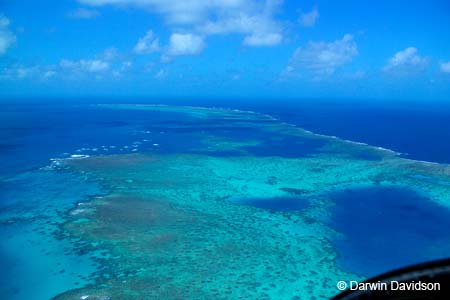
[225,48]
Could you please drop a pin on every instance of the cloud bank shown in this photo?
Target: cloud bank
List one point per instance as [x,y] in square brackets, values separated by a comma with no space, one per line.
[252,18]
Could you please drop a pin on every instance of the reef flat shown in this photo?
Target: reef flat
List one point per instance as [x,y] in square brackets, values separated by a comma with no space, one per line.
[190,221]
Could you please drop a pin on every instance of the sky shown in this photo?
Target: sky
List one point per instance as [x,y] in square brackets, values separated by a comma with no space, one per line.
[396,50]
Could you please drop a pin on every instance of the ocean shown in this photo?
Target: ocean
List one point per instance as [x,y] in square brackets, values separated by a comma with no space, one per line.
[33,202]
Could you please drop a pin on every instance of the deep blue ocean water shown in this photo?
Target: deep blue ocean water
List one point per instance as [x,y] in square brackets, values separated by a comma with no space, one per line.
[32,134]
[388,227]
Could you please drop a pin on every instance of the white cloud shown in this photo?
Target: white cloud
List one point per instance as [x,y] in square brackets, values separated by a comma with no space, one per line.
[83,13]
[309,19]
[22,72]
[445,67]
[185,44]
[179,12]
[91,66]
[323,58]
[16,72]
[7,38]
[259,30]
[147,44]
[65,69]
[107,63]
[407,60]
[252,18]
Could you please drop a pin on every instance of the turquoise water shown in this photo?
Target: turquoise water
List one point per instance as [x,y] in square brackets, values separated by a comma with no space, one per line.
[33,251]
[281,203]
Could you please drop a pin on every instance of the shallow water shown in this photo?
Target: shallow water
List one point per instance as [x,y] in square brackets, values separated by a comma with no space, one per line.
[35,259]
[281,203]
